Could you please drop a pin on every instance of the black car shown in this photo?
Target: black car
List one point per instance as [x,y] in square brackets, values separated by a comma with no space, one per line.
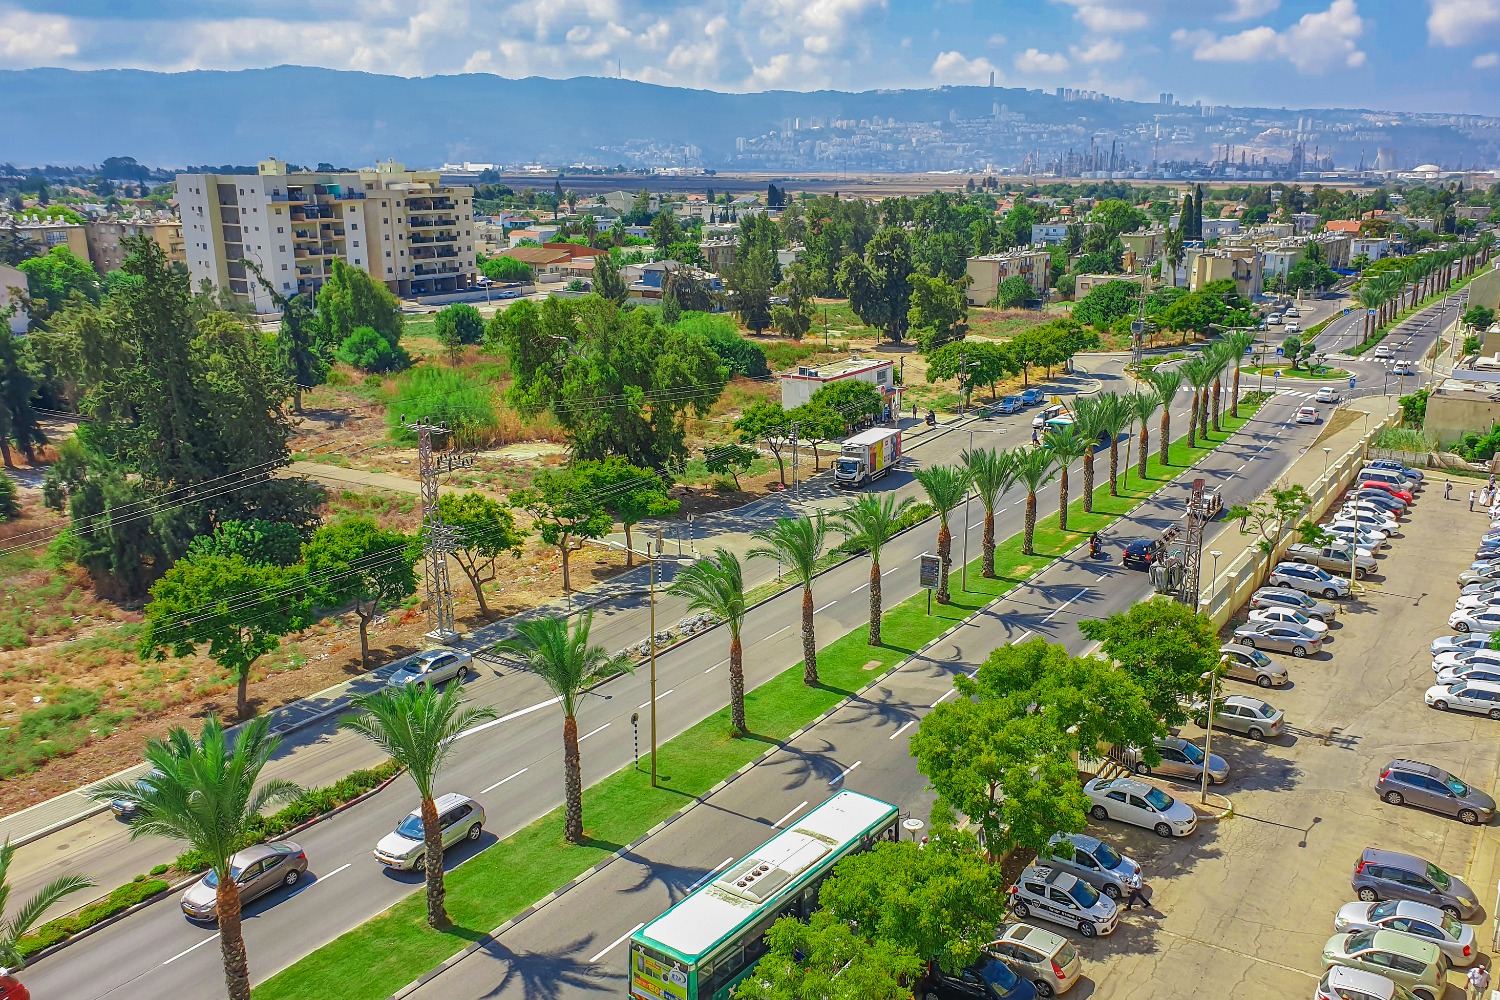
[1140,554]
[987,979]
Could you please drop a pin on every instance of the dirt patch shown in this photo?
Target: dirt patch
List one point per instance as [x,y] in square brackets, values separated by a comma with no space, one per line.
[1340,419]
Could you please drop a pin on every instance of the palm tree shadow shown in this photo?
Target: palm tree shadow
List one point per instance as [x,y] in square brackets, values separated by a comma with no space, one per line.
[676,879]
[807,765]
[551,974]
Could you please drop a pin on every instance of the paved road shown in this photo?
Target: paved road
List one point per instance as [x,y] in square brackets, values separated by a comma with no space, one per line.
[572,948]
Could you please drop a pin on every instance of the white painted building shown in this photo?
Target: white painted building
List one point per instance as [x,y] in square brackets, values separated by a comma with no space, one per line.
[797,387]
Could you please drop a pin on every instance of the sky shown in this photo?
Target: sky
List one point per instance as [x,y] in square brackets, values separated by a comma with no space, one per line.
[1408,55]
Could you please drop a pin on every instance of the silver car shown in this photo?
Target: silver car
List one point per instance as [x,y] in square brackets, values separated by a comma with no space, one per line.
[1466,696]
[1471,671]
[1285,637]
[1180,759]
[1250,716]
[1048,960]
[1450,643]
[1407,916]
[1310,580]
[1094,861]
[435,666]
[1245,664]
[257,870]
[405,848]
[1286,597]
[1411,782]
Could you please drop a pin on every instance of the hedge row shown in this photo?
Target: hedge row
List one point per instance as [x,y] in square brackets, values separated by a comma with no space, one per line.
[122,898]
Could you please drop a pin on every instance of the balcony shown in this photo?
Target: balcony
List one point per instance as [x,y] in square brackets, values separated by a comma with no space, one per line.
[430,205]
[423,222]
[428,271]
[304,234]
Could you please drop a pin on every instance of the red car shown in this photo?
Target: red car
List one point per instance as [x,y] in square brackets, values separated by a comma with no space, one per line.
[1395,491]
[12,990]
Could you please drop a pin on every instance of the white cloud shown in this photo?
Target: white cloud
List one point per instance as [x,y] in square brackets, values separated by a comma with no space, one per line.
[1105,16]
[1455,22]
[28,39]
[956,68]
[1036,61]
[996,41]
[1488,60]
[1104,50]
[1244,10]
[1316,43]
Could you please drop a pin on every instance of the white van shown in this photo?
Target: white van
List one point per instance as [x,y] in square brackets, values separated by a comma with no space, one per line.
[1047,413]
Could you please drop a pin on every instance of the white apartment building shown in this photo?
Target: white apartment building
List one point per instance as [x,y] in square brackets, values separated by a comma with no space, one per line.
[403,227]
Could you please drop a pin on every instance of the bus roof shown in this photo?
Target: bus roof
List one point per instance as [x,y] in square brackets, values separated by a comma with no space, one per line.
[712,913]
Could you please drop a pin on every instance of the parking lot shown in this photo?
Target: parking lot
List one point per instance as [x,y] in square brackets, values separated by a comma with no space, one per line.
[1244,906]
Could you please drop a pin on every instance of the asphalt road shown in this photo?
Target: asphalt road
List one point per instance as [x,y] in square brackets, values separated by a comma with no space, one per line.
[573,948]
[513,767]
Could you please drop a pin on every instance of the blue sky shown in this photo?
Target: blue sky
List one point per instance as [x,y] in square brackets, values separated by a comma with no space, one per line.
[1439,55]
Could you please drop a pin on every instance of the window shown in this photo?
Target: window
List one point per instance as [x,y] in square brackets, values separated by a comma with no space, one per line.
[356,242]
[283,267]
[281,249]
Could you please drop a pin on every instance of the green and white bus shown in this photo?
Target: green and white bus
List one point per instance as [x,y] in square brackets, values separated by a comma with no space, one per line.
[702,947]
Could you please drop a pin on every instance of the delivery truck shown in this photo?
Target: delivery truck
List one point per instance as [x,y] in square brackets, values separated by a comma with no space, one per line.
[866,457]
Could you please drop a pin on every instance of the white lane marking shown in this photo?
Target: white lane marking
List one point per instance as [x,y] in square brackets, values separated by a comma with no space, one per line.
[1099,577]
[1242,466]
[616,942]
[658,697]
[1002,510]
[778,632]
[888,572]
[1054,614]
[860,587]
[777,825]
[904,727]
[504,780]
[599,730]
[506,718]
[194,948]
[716,666]
[717,868]
[845,771]
[819,611]
[945,697]
[1020,637]
[976,524]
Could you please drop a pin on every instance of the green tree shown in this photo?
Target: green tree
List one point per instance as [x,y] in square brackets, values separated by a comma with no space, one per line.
[729,459]
[351,299]
[1165,385]
[302,361]
[209,797]
[851,399]
[609,284]
[1065,445]
[368,351]
[797,543]
[1034,468]
[630,494]
[766,422]
[1236,343]
[869,523]
[566,511]
[19,423]
[755,271]
[237,609]
[1110,414]
[946,487]
[358,563]
[939,311]
[1269,517]
[10,506]
[1014,292]
[418,727]
[506,269]
[562,656]
[258,542]
[483,529]
[1106,303]
[942,901]
[817,424]
[824,959]
[878,285]
[26,915]
[1165,646]
[993,473]
[716,587]
[55,276]
[457,325]
[794,318]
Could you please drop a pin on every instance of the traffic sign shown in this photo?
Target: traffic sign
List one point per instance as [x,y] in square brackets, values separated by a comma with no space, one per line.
[1351,381]
[1276,373]
[1280,351]
[929,571]
[1346,310]
[1369,312]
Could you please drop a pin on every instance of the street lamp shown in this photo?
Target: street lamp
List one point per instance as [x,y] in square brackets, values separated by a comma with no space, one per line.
[1326,453]
[1212,677]
[1213,586]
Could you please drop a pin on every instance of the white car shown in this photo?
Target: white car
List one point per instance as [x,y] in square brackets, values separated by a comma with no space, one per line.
[1466,696]
[1404,368]
[1383,353]
[1307,415]
[1371,541]
[1367,518]
[1341,525]
[1471,602]
[1414,919]
[1309,580]
[1477,620]
[1465,672]
[1364,505]
[1284,616]
[1140,804]
[1327,394]
[1449,643]
[1451,658]
[1292,312]
[1063,899]
[1483,587]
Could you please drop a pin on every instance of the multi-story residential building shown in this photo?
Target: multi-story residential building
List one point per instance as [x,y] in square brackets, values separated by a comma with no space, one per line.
[1049,233]
[986,273]
[104,238]
[404,227]
[1145,244]
[719,254]
[1279,259]
[1305,222]
[1369,246]
[12,289]
[1214,229]
[1240,265]
[44,234]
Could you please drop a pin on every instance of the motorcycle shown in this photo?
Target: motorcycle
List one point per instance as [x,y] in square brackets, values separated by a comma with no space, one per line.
[931,419]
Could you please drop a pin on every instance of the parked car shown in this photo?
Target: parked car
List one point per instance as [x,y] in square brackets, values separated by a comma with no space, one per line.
[459,817]
[434,666]
[1242,714]
[12,988]
[1010,404]
[1094,861]
[1474,602]
[1372,498]
[1451,658]
[1282,637]
[1391,465]
[1429,787]
[1308,415]
[1469,576]
[1180,758]
[1033,396]
[1289,616]
[1047,960]
[1063,899]
[1140,804]
[1450,676]
[1274,319]
[1308,579]
[1140,553]
[1335,558]
[1327,394]
[1371,541]
[1418,965]
[1285,597]
[1482,697]
[1452,643]
[1475,620]
[257,870]
[1291,313]
[1368,516]
[1340,983]
[1391,875]
[987,979]
[126,807]
[1392,498]
[1405,916]
[1244,663]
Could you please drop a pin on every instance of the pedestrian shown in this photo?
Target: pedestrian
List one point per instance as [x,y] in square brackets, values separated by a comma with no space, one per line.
[1448,490]
[1472,497]
[1484,496]
[1139,893]
[1479,982]
[1492,480]
[1034,439]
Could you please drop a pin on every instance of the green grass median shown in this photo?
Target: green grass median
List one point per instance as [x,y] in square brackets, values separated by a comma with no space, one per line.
[390,950]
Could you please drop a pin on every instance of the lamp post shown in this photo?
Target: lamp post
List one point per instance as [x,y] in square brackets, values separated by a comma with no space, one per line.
[1213,587]
[1212,677]
[1326,453]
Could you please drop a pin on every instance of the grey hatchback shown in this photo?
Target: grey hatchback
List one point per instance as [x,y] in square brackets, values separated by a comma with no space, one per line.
[1413,783]
[1392,875]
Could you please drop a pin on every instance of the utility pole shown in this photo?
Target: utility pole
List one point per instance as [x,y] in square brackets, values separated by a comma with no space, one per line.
[439,539]
[793,440]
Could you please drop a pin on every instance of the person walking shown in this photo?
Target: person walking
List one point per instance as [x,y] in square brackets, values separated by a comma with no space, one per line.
[1140,893]
[1448,490]
[1472,497]
[1479,982]
[1484,497]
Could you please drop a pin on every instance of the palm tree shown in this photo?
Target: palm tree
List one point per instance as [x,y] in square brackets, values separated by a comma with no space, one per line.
[994,473]
[717,587]
[1195,371]
[1065,446]
[1034,467]
[871,521]
[1219,359]
[1236,344]
[1114,416]
[1370,297]
[559,653]
[1141,405]
[18,926]
[798,542]
[206,794]
[946,487]
[1088,421]
[416,725]
[1166,384]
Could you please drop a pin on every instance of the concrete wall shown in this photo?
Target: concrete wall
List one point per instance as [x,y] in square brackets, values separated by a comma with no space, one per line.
[1450,417]
[1485,290]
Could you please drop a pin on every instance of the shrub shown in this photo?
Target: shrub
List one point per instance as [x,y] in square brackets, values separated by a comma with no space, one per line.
[742,356]
[10,507]
[126,896]
[459,323]
[366,349]
[459,398]
[505,268]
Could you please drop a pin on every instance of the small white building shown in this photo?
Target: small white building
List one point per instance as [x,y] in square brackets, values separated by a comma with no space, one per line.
[1214,229]
[1370,247]
[797,387]
[1049,233]
[12,290]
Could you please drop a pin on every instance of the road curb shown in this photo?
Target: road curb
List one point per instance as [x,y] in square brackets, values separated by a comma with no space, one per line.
[745,768]
[1213,812]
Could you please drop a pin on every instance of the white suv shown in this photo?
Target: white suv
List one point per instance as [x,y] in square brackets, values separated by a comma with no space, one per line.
[404,848]
[1063,899]
[1309,580]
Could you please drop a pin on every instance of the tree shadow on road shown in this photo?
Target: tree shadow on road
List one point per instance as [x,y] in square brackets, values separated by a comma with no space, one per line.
[551,974]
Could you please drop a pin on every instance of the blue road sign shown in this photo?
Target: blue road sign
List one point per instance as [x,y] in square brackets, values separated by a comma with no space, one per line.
[1346,310]
[1280,351]
[1369,312]
[1276,373]
[1351,381]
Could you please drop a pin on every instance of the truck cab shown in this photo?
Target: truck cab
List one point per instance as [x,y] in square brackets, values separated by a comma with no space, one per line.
[866,457]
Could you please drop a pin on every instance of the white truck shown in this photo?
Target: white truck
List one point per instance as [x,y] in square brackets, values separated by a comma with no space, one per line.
[866,457]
